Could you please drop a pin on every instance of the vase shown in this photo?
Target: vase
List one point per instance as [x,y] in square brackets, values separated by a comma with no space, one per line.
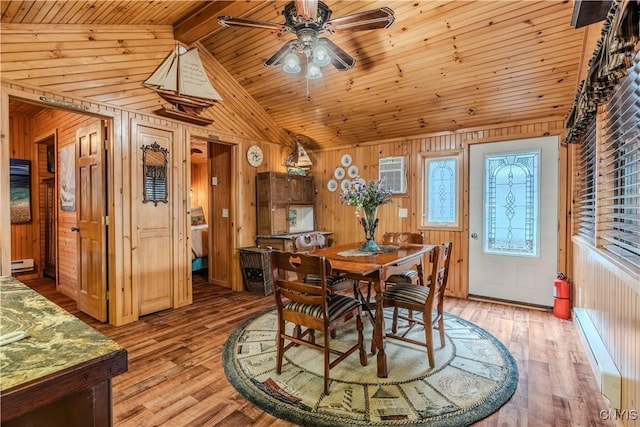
[370,221]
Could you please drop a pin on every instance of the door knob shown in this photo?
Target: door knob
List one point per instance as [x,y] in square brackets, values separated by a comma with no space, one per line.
[76,229]
[474,236]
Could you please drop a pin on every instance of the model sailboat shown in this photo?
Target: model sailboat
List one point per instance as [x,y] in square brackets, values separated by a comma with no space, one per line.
[298,161]
[182,81]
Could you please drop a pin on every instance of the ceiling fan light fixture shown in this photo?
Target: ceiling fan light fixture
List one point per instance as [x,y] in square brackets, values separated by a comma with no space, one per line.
[291,63]
[313,71]
[321,56]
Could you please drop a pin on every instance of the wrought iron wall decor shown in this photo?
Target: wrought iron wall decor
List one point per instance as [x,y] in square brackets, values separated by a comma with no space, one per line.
[611,59]
[155,174]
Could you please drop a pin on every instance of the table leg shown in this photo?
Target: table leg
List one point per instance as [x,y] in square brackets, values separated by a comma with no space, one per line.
[379,332]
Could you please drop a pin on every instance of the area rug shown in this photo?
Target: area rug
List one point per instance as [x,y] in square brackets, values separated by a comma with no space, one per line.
[474,375]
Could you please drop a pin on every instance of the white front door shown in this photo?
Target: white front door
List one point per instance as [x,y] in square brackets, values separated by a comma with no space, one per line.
[513,220]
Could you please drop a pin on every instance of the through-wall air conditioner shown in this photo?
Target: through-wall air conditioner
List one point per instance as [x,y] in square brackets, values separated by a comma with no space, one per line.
[21,265]
[392,174]
[605,371]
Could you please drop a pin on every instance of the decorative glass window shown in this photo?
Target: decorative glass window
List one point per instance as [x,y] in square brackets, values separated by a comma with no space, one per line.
[441,198]
[511,203]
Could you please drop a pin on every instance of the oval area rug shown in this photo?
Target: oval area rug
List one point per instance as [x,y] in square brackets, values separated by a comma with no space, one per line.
[474,375]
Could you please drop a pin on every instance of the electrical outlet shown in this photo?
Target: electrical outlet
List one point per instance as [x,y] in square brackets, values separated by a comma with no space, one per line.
[403,212]
[214,180]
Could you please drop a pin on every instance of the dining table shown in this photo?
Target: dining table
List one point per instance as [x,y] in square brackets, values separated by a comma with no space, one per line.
[375,267]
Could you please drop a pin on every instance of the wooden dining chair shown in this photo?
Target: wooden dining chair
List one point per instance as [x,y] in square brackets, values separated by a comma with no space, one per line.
[426,298]
[306,243]
[397,238]
[312,307]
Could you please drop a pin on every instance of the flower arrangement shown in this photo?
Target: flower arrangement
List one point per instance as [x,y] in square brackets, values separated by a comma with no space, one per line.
[367,196]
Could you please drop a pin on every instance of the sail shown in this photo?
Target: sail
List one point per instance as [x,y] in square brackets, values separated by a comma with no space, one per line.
[193,78]
[165,77]
[298,157]
[182,72]
[303,157]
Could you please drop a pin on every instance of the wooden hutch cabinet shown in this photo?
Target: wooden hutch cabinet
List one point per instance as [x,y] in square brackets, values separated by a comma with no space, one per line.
[279,196]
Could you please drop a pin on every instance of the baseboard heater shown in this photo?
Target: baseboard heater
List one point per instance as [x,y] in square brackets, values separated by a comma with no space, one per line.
[605,371]
[21,265]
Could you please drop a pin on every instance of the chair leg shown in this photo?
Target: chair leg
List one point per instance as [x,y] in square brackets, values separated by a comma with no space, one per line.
[280,347]
[326,362]
[394,322]
[360,327]
[441,327]
[428,335]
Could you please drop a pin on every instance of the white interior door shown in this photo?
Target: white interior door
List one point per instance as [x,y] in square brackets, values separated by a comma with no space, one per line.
[513,220]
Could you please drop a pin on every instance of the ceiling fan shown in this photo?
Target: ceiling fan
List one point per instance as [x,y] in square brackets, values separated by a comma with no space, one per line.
[307,19]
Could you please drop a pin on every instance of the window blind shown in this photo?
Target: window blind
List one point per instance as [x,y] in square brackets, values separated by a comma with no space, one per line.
[619,170]
[585,185]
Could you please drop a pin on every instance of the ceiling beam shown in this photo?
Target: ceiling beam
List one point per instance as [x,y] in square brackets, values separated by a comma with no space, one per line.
[199,25]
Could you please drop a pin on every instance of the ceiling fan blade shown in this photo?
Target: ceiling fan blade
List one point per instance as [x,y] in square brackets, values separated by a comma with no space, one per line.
[307,9]
[339,58]
[278,57]
[369,20]
[230,21]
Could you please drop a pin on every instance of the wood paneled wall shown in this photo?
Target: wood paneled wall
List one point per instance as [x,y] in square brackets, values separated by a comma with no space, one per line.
[123,282]
[611,296]
[334,216]
[199,187]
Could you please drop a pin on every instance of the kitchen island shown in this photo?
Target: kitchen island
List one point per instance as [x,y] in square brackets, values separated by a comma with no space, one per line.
[60,373]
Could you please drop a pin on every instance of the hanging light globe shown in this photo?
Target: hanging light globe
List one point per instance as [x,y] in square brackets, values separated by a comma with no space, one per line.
[321,56]
[291,63]
[313,71]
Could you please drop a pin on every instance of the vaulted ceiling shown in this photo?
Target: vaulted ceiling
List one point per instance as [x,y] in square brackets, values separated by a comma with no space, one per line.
[442,66]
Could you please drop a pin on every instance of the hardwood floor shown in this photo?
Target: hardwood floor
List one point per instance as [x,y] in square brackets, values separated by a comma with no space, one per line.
[175,375]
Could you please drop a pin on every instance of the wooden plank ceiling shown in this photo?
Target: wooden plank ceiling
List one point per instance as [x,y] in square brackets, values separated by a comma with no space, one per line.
[442,66]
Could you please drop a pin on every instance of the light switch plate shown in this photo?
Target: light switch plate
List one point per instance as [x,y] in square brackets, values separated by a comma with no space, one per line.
[225,213]
[403,212]
[214,180]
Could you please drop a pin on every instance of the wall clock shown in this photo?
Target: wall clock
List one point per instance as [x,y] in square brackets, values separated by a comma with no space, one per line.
[255,156]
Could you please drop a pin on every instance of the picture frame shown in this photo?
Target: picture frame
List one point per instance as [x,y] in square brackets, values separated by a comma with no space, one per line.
[67,178]
[20,190]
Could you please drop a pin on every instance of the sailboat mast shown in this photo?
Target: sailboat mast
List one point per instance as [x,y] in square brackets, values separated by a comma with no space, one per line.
[178,72]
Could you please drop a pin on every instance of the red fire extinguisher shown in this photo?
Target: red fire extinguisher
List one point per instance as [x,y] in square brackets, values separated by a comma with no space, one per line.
[562,297]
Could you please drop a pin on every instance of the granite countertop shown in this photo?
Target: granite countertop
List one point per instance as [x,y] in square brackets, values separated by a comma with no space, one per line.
[57,340]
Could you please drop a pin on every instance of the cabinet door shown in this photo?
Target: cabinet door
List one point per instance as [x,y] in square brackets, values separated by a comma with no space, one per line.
[302,190]
[279,187]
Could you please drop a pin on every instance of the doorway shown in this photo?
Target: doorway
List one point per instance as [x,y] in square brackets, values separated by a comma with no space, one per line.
[211,189]
[513,220]
[64,145]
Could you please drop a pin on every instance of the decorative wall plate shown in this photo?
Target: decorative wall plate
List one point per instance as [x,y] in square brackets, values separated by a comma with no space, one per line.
[353,171]
[345,160]
[361,180]
[332,185]
[344,185]
[339,173]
